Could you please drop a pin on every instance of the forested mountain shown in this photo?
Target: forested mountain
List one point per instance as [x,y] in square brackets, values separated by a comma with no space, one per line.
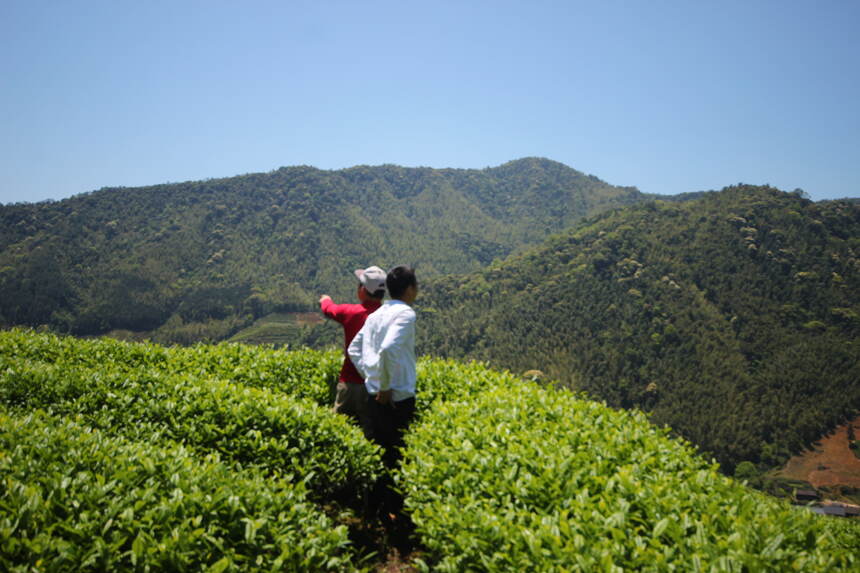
[734,318]
[201,259]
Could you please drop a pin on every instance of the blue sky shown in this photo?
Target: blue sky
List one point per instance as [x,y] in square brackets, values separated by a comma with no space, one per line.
[667,96]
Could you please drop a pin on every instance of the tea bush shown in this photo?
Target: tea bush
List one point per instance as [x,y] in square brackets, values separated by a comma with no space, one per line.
[524,478]
[82,352]
[498,473]
[75,499]
[304,373]
[441,380]
[313,374]
[255,427]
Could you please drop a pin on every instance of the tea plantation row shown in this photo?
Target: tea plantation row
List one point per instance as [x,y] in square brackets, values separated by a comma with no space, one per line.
[75,499]
[526,478]
[117,456]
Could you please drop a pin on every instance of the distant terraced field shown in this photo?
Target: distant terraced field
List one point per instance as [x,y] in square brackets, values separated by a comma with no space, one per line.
[280,329]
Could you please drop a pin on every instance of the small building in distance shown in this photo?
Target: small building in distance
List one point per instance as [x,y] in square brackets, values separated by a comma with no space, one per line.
[836,508]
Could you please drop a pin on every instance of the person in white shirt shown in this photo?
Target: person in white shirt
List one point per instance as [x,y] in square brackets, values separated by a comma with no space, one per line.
[383,352]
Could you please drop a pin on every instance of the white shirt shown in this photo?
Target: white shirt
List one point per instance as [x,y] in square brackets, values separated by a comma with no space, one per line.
[383,351]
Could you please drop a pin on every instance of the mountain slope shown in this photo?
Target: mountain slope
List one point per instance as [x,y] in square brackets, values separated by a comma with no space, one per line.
[733,318]
[199,259]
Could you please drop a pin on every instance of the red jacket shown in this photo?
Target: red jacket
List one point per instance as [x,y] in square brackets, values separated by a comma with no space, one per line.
[351,317]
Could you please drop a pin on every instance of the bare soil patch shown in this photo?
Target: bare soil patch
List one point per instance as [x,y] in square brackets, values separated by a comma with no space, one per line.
[829,463]
[304,318]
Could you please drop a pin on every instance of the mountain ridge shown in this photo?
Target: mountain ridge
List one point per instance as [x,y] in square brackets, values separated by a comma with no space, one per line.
[689,309]
[213,253]
[720,316]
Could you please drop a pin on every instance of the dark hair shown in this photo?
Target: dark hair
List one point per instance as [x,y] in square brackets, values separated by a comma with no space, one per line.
[399,279]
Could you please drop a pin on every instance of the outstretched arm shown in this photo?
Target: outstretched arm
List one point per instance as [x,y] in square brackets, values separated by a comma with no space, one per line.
[330,309]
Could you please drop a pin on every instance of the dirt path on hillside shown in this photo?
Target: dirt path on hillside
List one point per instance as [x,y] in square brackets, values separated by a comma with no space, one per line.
[830,463]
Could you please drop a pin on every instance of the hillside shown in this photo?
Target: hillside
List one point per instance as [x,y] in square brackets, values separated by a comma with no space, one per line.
[199,260]
[119,456]
[733,318]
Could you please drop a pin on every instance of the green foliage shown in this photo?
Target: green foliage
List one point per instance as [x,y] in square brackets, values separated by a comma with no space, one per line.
[199,261]
[748,472]
[313,374]
[148,393]
[75,499]
[310,374]
[845,534]
[118,456]
[528,478]
[292,330]
[443,380]
[730,318]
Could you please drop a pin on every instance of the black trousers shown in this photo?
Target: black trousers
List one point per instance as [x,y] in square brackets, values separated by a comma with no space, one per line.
[387,425]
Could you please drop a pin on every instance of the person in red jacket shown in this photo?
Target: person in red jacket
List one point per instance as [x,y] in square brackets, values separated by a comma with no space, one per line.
[351,396]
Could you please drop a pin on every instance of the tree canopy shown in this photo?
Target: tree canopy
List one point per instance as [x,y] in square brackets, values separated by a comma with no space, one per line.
[201,259]
[733,318]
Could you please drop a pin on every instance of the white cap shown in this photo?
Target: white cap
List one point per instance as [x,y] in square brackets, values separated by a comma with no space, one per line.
[371,278]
